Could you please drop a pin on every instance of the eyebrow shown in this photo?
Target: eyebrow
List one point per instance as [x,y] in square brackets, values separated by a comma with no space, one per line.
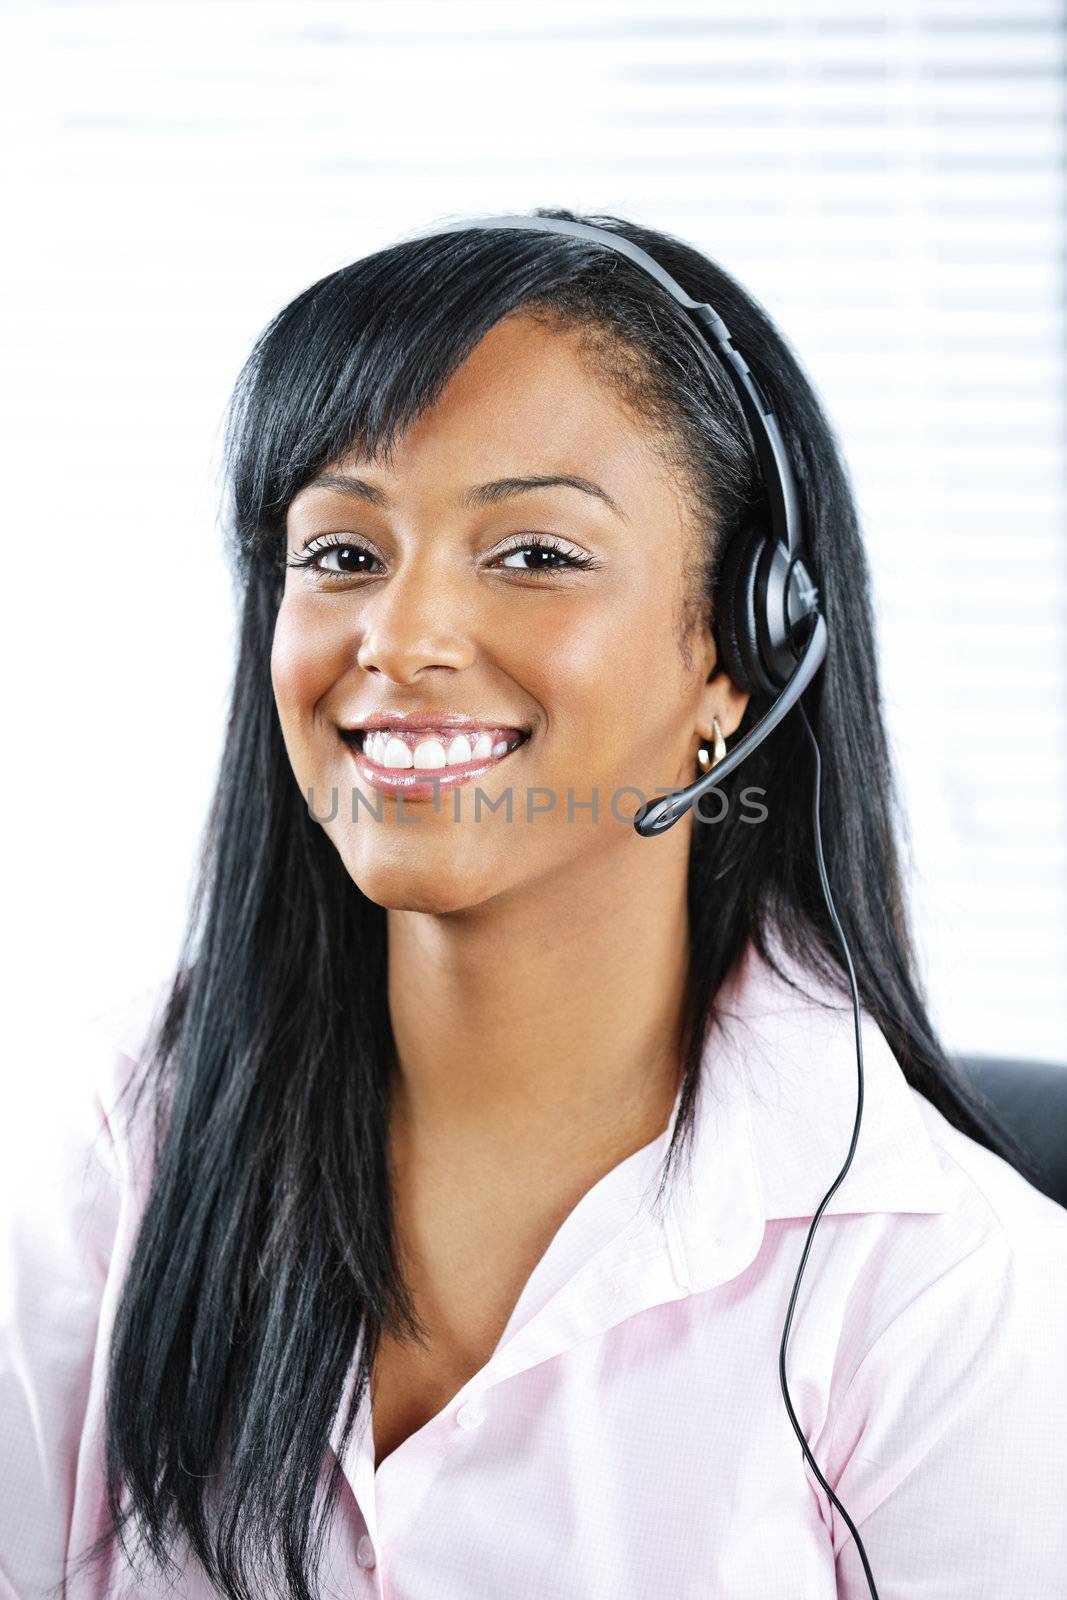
[480,494]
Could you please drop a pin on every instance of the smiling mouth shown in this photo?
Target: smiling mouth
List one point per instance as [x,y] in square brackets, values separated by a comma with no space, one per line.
[420,764]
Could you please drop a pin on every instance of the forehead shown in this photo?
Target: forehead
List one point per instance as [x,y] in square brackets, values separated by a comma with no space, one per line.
[525,367]
[527,399]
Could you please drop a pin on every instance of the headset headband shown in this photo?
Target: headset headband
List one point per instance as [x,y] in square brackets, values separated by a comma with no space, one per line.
[766,595]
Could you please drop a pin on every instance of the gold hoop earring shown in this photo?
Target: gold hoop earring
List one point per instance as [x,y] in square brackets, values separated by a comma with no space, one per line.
[705,762]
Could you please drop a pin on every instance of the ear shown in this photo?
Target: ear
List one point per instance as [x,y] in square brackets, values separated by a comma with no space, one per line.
[720,696]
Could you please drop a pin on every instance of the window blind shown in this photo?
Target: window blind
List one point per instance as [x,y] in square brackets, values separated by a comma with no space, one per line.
[886,178]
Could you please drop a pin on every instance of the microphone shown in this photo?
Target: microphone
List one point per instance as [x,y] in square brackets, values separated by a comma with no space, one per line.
[656,816]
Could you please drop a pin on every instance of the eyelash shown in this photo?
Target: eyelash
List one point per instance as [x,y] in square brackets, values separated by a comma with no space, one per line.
[332,541]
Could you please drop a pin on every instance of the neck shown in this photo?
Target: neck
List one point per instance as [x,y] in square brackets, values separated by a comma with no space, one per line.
[543,1024]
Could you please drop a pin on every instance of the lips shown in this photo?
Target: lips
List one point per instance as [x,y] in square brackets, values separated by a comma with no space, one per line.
[425,781]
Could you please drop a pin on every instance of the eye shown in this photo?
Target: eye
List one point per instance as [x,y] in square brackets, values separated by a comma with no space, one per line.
[546,552]
[349,556]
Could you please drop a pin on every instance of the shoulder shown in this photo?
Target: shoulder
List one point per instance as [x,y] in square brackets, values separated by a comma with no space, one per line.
[985,1185]
[122,1038]
[66,1145]
[953,1398]
[998,1245]
[927,1224]
[996,1256]
[123,1031]
[970,1282]
[801,1066]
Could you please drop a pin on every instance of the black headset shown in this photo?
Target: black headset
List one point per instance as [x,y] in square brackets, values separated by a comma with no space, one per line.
[773,640]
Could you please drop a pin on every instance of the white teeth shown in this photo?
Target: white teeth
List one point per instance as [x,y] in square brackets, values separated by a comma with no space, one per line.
[397,754]
[430,753]
[387,750]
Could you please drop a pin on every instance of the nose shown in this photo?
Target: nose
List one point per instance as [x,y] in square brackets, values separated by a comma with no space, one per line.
[414,620]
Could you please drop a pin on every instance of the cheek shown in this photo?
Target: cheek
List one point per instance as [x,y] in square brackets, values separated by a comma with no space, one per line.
[566,661]
[598,668]
[303,662]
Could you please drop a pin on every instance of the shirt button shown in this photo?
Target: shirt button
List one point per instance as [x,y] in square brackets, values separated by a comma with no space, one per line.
[471,1415]
[365,1552]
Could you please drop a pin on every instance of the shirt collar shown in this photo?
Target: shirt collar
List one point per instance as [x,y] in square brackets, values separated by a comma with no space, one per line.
[775,1114]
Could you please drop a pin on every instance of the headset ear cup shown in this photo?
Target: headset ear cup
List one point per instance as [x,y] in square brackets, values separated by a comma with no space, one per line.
[735,612]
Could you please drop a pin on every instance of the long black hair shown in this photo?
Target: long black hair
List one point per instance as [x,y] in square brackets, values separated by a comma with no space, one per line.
[267,1246]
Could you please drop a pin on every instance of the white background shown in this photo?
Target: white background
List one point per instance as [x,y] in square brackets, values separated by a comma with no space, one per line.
[886,178]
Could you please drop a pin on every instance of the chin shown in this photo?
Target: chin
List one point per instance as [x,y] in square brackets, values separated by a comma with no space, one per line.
[408,897]
[401,885]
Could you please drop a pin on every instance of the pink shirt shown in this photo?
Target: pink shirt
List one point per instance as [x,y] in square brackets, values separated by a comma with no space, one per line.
[627,1439]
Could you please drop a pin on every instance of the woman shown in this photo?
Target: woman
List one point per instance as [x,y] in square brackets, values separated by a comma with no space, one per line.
[455,1257]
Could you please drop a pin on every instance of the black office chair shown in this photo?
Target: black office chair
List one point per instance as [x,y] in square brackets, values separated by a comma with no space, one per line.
[1031,1098]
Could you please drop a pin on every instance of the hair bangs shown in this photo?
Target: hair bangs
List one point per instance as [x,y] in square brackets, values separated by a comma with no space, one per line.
[353,361]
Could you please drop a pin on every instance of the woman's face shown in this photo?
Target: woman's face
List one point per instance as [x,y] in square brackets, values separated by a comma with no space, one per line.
[445,613]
